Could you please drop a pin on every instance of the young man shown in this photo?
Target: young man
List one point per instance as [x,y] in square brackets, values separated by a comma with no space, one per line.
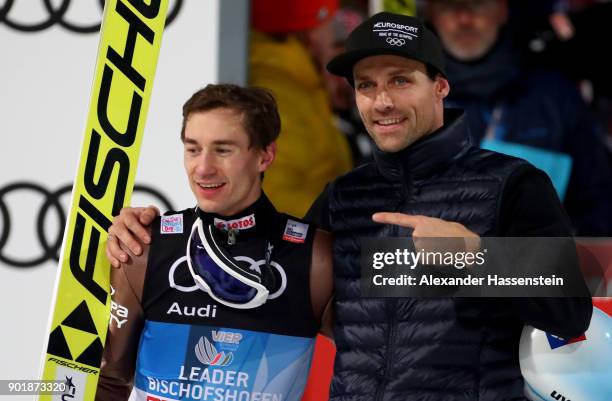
[428,180]
[220,304]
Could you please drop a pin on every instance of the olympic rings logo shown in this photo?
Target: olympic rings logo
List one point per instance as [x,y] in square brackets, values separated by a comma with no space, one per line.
[50,246]
[57,15]
[396,41]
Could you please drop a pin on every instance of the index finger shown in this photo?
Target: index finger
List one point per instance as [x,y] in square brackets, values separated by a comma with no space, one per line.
[400,219]
[136,228]
[148,214]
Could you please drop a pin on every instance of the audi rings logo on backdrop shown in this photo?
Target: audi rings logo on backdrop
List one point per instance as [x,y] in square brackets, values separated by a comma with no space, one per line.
[396,41]
[57,13]
[48,248]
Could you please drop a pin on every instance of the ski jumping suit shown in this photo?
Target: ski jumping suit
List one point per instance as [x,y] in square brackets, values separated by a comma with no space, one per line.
[176,342]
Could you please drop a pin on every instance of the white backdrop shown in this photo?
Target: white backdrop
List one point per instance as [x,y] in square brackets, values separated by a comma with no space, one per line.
[45,82]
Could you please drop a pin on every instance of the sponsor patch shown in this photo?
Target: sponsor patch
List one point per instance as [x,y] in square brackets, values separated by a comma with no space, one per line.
[295,231]
[556,342]
[119,314]
[172,224]
[238,224]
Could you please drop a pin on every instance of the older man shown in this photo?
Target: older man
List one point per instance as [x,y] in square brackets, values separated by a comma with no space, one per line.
[528,112]
[435,182]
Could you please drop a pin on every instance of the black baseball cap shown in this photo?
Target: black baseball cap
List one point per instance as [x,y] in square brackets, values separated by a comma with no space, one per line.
[388,33]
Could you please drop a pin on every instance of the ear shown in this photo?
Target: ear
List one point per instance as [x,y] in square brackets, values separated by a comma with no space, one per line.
[267,156]
[442,87]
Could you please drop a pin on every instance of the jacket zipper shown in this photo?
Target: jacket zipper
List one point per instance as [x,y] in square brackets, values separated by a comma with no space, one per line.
[380,392]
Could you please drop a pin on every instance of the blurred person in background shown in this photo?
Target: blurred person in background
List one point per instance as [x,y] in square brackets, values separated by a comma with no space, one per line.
[342,95]
[560,36]
[290,43]
[531,113]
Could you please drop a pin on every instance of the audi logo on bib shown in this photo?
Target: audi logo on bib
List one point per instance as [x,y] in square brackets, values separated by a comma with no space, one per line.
[47,246]
[58,13]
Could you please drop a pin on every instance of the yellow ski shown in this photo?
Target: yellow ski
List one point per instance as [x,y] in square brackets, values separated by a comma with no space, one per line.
[130,39]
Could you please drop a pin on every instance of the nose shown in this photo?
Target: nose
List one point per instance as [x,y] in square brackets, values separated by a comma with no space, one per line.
[464,17]
[206,165]
[383,101]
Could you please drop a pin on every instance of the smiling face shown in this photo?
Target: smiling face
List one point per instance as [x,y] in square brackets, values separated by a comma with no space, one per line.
[222,167]
[397,101]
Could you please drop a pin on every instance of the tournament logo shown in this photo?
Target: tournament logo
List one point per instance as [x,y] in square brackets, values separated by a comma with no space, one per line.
[207,354]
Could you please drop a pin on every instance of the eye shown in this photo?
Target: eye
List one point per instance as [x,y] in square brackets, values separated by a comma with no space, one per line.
[400,81]
[223,151]
[191,150]
[365,85]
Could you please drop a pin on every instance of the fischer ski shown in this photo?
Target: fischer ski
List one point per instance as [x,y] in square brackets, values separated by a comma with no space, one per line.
[130,40]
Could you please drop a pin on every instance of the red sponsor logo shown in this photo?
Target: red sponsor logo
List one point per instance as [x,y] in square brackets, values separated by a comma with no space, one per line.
[293,239]
[238,224]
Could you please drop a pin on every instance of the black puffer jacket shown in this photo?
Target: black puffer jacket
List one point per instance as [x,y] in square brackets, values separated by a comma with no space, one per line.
[426,349]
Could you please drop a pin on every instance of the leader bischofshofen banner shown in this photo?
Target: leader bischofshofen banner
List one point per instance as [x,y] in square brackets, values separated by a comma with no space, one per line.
[130,39]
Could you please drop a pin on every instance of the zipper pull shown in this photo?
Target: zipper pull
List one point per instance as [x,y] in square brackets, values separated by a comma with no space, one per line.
[269,248]
[231,236]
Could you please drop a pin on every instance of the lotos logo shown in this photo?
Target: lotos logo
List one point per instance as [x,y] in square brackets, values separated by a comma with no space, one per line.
[556,341]
[207,354]
[172,224]
[238,224]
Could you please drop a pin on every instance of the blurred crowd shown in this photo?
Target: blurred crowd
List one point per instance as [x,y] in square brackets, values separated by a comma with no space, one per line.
[530,75]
